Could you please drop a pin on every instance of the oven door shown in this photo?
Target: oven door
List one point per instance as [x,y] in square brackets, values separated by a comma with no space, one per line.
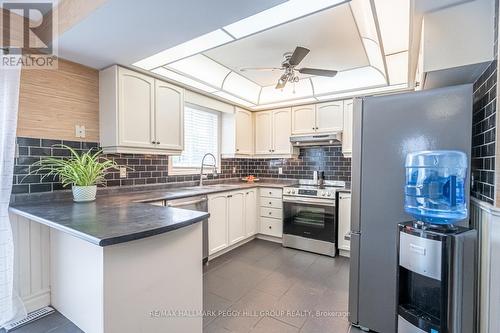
[309,217]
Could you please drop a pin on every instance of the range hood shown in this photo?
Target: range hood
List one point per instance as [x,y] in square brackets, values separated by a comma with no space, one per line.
[327,139]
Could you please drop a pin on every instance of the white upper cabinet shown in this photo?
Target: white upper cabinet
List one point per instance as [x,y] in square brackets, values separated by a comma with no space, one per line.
[282,122]
[348,127]
[139,114]
[244,132]
[318,118]
[263,133]
[237,133]
[303,119]
[329,117]
[272,132]
[169,116]
[135,109]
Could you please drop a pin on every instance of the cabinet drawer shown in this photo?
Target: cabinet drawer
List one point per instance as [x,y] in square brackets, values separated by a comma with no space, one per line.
[271,202]
[275,213]
[271,192]
[271,227]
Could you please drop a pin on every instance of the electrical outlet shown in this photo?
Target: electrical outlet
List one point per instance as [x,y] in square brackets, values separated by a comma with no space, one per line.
[234,169]
[79,131]
[280,171]
[123,172]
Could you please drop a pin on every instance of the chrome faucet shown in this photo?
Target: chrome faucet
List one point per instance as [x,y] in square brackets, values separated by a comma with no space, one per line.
[214,165]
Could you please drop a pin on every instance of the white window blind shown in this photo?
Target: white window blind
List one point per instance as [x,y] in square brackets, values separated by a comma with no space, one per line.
[201,136]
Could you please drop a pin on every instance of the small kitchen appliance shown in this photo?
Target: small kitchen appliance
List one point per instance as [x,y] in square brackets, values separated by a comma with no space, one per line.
[436,270]
[309,216]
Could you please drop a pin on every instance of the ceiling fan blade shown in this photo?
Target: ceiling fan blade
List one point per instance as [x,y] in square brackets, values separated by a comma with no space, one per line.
[319,72]
[245,69]
[298,55]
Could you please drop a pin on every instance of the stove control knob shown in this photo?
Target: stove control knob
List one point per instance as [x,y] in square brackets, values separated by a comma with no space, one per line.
[329,194]
[323,194]
[288,191]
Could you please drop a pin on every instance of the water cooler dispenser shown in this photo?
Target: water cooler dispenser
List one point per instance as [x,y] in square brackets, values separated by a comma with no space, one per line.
[437,257]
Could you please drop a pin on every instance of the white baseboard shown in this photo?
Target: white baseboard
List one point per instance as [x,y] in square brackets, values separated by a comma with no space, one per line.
[231,247]
[37,301]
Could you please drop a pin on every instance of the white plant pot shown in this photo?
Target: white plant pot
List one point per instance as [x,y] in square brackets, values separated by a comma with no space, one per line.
[84,193]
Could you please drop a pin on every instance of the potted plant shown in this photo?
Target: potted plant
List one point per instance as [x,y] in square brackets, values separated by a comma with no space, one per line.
[82,171]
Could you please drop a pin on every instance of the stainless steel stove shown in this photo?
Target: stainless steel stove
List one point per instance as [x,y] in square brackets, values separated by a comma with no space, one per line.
[309,216]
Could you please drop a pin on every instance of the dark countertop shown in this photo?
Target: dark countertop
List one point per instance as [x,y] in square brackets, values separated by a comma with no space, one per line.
[120,215]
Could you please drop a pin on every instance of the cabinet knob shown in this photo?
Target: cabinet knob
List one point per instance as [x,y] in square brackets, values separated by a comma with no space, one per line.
[237,149]
[270,213]
[157,142]
[153,142]
[270,203]
[229,196]
[270,227]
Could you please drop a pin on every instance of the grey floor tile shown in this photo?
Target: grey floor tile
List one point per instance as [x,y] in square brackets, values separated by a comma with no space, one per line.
[224,287]
[276,284]
[212,306]
[297,304]
[325,325]
[271,325]
[53,323]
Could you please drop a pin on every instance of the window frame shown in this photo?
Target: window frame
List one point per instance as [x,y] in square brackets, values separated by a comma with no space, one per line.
[179,171]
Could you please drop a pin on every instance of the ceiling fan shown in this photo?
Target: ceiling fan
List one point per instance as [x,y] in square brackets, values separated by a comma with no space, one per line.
[290,61]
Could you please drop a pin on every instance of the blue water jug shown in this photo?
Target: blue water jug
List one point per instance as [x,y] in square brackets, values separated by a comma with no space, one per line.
[435,186]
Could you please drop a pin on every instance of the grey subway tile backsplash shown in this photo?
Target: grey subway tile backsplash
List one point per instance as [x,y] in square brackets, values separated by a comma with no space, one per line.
[153,169]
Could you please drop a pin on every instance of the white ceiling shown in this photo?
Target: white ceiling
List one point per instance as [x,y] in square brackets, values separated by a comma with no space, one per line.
[331,35]
[125,31]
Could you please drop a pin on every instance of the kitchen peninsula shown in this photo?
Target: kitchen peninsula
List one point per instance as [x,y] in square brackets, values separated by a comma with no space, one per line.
[120,264]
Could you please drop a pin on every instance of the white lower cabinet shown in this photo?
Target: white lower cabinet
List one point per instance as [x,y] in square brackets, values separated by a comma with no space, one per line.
[217,223]
[251,212]
[233,217]
[344,221]
[270,210]
[236,216]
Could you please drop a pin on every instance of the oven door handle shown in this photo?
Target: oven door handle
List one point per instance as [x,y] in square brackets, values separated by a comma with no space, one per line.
[309,201]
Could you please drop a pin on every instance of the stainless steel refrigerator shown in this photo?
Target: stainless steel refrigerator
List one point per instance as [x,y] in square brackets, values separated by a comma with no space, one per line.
[386,128]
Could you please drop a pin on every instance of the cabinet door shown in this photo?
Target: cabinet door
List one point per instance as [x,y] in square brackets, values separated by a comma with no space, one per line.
[217,223]
[344,220]
[244,132]
[251,212]
[236,216]
[136,109]
[263,132]
[303,119]
[169,116]
[347,131]
[329,116]
[282,129]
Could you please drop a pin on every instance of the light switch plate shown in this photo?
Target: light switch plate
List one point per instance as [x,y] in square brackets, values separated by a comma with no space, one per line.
[280,171]
[123,172]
